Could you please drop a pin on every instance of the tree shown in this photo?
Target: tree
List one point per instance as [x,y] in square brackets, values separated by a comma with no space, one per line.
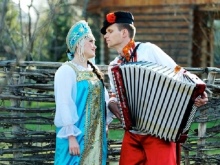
[38,34]
[8,30]
[64,15]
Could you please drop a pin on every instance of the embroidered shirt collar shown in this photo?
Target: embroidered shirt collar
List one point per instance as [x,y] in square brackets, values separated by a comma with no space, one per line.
[127,51]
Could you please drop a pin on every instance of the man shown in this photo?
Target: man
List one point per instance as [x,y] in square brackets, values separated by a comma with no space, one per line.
[138,148]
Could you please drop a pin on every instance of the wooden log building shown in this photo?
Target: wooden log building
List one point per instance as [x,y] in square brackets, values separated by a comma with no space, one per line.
[184,29]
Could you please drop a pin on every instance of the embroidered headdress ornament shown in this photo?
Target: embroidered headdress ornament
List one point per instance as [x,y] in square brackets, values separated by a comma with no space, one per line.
[75,34]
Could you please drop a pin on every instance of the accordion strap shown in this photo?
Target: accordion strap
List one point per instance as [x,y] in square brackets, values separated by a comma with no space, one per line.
[133,55]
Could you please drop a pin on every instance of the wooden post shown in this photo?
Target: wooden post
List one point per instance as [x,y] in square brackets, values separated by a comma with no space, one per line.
[202,124]
[186,153]
[14,79]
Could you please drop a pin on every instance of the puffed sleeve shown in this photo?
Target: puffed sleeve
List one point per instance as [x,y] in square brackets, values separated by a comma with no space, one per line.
[111,81]
[111,78]
[112,95]
[109,114]
[151,52]
[65,95]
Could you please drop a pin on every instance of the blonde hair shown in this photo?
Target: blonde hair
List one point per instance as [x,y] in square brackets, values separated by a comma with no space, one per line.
[80,46]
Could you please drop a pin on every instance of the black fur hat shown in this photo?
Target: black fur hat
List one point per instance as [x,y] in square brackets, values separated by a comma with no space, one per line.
[117,17]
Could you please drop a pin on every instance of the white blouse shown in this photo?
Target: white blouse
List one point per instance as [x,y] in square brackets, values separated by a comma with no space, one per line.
[65,90]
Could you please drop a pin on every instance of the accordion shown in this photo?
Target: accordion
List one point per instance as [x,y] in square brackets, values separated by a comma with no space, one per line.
[156,100]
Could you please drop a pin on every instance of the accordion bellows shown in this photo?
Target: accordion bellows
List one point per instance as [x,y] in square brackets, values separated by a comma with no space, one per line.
[156,100]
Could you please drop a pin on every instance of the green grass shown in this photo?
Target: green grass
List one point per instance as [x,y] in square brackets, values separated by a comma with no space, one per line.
[115,134]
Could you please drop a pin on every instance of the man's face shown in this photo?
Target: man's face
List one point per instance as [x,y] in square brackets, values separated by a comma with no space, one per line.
[113,36]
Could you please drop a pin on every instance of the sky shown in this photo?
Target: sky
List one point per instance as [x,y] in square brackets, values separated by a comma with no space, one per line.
[37,3]
[24,6]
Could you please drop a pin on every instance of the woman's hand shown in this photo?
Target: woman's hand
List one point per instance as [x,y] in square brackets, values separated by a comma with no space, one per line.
[73,146]
[201,100]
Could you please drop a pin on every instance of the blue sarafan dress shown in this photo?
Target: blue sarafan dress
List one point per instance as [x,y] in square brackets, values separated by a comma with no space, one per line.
[90,103]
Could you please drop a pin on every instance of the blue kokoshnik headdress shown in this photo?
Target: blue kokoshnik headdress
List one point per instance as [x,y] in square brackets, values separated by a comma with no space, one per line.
[75,34]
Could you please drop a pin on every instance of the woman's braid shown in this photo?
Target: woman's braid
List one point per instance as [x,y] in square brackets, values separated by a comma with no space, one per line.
[97,72]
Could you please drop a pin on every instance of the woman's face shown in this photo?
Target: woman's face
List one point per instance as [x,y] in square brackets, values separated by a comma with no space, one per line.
[89,47]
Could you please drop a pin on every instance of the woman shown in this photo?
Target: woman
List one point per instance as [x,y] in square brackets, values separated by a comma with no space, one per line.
[80,103]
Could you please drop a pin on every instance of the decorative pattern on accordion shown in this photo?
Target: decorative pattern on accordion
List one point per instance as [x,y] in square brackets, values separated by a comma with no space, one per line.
[153,99]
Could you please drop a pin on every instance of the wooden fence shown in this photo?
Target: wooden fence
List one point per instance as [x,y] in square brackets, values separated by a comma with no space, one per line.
[27,109]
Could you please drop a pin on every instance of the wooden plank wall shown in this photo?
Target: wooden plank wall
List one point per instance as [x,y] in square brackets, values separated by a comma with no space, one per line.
[169,27]
[96,5]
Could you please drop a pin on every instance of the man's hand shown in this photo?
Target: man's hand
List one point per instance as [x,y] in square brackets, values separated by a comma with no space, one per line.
[113,107]
[73,146]
[201,100]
